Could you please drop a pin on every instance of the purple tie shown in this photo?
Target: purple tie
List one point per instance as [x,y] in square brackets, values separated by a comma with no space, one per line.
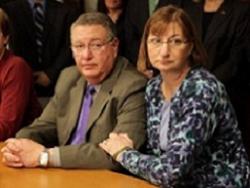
[79,134]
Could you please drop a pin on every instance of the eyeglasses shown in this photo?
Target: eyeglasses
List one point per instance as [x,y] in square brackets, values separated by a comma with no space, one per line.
[173,42]
[94,46]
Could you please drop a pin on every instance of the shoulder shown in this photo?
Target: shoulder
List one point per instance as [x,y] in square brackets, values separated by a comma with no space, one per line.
[239,5]
[15,70]
[59,4]
[17,64]
[201,83]
[13,3]
[239,10]
[69,74]
[55,2]
[67,80]
[153,86]
[129,76]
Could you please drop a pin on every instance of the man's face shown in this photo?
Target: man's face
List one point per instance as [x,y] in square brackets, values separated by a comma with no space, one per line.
[94,51]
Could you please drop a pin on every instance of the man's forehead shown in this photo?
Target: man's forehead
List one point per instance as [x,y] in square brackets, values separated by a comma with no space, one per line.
[96,27]
[89,31]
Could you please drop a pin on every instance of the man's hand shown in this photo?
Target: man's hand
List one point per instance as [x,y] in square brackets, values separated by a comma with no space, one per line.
[41,78]
[21,153]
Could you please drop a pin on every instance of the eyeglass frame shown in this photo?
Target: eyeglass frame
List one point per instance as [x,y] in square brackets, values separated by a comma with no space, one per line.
[92,46]
[173,42]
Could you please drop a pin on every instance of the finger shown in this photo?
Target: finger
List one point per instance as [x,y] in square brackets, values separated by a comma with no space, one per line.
[104,144]
[101,145]
[10,140]
[104,147]
[12,164]
[125,135]
[16,165]
[11,157]
[13,147]
[113,135]
[5,149]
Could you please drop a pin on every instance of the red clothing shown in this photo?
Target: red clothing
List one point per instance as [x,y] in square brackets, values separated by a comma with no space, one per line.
[18,103]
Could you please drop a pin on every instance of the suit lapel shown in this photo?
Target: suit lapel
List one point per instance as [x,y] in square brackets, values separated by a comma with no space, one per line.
[26,12]
[75,108]
[50,16]
[195,11]
[103,96]
[219,18]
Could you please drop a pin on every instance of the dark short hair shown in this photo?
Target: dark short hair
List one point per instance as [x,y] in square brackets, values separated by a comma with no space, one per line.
[96,18]
[157,24]
[4,23]
[101,7]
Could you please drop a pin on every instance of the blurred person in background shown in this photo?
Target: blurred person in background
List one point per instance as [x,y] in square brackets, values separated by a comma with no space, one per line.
[18,103]
[40,35]
[116,9]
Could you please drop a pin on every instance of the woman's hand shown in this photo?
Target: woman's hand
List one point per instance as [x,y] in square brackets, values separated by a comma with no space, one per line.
[116,143]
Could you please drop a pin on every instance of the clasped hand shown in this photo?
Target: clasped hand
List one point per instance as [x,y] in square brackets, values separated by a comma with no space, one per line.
[21,153]
[115,143]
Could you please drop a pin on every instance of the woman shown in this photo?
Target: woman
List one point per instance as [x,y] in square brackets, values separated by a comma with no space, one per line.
[193,138]
[222,26]
[18,103]
[115,9]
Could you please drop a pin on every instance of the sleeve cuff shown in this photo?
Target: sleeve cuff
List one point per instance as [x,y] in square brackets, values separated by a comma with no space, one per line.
[54,157]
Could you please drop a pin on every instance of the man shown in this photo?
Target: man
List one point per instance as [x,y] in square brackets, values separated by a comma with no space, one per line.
[41,36]
[118,104]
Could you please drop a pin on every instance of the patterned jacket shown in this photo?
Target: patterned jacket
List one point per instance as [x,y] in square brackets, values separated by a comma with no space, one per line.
[204,143]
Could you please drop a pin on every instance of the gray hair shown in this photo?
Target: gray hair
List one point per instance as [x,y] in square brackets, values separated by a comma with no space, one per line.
[96,18]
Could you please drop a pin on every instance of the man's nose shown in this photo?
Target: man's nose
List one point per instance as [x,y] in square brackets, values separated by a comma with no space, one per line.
[86,52]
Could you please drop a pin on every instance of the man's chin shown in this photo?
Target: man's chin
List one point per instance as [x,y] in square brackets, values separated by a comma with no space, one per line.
[87,76]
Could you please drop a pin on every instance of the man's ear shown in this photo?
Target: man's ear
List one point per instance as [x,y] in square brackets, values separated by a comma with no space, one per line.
[115,42]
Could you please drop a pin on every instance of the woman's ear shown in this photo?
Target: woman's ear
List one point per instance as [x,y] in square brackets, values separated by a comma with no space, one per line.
[6,40]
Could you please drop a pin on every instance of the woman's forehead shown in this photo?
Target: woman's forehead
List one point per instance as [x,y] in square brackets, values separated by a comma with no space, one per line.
[161,28]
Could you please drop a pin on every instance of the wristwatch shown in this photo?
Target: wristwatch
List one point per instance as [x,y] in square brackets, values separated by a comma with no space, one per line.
[44,158]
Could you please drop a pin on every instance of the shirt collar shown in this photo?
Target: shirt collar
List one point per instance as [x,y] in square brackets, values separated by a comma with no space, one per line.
[97,87]
[32,3]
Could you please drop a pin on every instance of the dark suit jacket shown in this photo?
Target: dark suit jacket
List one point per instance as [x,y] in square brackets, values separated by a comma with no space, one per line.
[137,14]
[3,2]
[119,106]
[56,48]
[224,39]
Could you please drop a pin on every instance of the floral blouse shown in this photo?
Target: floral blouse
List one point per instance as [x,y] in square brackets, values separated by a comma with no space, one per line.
[204,146]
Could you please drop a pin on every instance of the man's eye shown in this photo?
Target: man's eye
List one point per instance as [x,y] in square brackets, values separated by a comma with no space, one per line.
[79,46]
[96,45]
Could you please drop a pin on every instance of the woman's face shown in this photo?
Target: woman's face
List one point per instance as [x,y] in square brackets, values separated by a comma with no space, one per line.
[113,4]
[169,51]
[3,41]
